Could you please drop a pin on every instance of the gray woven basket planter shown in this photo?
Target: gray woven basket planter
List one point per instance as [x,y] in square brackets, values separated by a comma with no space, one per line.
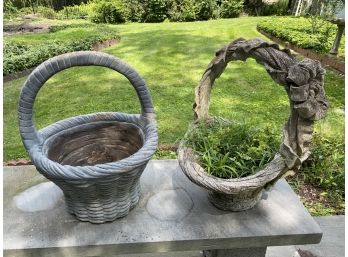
[303,82]
[96,159]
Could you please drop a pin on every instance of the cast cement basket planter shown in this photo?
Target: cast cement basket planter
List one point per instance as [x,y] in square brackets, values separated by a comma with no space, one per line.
[96,159]
[303,82]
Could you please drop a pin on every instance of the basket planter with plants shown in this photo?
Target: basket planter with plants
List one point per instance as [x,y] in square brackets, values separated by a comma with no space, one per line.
[96,159]
[235,162]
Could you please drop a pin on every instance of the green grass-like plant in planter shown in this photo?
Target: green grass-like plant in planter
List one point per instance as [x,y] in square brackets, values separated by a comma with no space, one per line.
[233,150]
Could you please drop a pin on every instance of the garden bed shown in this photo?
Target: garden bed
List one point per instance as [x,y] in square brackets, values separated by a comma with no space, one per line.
[325,59]
[24,52]
[96,47]
[312,37]
[316,199]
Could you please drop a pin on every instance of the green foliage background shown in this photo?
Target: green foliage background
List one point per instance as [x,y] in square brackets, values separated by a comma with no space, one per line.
[299,31]
[22,53]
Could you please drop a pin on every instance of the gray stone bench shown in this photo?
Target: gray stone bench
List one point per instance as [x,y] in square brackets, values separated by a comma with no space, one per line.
[173,215]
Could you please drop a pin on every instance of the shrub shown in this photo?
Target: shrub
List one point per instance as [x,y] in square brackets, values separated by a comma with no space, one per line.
[19,56]
[278,8]
[56,28]
[47,12]
[253,7]
[235,150]
[136,11]
[263,8]
[184,10]
[231,8]
[12,49]
[325,166]
[216,13]
[9,9]
[37,54]
[155,10]
[81,11]
[25,11]
[109,12]
[205,9]
[299,31]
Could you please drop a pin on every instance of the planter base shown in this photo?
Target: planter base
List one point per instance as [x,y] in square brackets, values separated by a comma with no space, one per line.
[238,202]
[238,252]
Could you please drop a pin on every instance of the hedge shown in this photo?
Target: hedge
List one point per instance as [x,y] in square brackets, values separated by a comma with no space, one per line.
[20,56]
[301,32]
[120,11]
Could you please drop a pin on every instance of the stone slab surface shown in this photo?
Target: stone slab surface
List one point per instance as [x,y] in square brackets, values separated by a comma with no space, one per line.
[173,214]
[331,245]
[333,239]
[236,252]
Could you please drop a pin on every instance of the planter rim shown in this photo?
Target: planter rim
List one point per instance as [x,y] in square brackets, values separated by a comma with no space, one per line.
[53,169]
[188,161]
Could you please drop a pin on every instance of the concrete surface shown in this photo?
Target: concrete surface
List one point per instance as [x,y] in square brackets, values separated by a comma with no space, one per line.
[173,214]
[236,252]
[331,245]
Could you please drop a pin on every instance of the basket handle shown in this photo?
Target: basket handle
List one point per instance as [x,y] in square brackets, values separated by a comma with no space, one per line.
[47,69]
[303,81]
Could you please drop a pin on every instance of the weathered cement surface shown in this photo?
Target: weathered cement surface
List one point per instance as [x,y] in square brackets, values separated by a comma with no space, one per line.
[279,220]
[331,245]
[161,204]
[237,252]
[333,239]
[44,196]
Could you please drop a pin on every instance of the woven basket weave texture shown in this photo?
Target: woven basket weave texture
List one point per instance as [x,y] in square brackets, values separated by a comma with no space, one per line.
[96,159]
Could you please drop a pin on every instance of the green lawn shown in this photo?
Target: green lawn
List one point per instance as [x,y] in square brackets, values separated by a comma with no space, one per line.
[171,57]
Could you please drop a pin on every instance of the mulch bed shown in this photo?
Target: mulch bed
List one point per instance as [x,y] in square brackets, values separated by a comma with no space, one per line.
[24,27]
[168,147]
[17,75]
[306,190]
[18,162]
[311,194]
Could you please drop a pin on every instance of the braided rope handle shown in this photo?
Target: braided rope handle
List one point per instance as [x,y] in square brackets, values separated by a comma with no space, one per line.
[302,80]
[47,69]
